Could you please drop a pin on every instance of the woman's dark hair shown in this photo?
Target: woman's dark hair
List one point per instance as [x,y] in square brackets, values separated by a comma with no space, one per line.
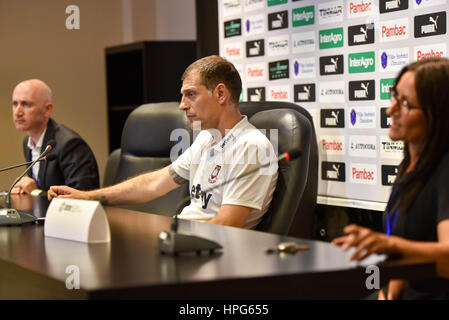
[432,89]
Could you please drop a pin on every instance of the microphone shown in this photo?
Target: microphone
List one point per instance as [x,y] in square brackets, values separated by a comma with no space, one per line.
[50,157]
[11,216]
[172,242]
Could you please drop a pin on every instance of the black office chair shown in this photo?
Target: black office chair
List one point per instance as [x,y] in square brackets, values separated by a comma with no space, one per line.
[146,146]
[292,210]
[111,168]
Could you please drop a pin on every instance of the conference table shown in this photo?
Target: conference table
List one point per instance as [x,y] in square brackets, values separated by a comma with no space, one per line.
[33,266]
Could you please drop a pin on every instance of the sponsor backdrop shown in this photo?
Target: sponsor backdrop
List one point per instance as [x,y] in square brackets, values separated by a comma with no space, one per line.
[338,59]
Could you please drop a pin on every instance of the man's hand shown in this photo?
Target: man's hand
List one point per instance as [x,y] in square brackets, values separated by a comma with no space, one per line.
[25,185]
[66,192]
[365,240]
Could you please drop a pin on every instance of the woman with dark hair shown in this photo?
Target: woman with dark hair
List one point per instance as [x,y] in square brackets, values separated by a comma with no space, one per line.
[416,218]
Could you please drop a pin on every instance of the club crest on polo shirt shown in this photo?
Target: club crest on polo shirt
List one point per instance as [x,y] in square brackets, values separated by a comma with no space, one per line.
[213,176]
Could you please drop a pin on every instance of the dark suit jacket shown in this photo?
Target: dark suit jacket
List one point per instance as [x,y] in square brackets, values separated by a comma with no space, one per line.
[75,165]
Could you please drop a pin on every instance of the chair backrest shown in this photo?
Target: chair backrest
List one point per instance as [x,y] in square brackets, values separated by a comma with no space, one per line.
[292,210]
[148,137]
[111,168]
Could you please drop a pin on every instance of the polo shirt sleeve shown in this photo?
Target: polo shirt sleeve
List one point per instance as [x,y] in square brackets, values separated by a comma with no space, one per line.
[183,163]
[251,190]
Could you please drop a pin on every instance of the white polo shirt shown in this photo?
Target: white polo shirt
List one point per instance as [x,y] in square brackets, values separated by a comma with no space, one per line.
[210,160]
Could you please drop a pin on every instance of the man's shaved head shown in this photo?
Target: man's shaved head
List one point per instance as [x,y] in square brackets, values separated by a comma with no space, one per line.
[41,91]
[32,104]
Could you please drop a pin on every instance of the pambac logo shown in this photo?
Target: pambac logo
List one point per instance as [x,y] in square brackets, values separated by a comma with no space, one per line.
[278,20]
[389,174]
[233,50]
[278,69]
[385,120]
[233,28]
[256,94]
[256,72]
[255,48]
[332,118]
[304,92]
[433,50]
[360,8]
[332,145]
[386,6]
[331,38]
[331,65]
[363,173]
[394,30]
[361,62]
[385,86]
[303,16]
[333,171]
[279,93]
[430,24]
[361,34]
[361,90]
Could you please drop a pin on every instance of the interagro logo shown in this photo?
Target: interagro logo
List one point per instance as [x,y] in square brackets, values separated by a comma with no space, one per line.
[331,38]
[361,62]
[303,16]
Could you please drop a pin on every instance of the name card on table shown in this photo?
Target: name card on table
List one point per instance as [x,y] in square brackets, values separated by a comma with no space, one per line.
[77,220]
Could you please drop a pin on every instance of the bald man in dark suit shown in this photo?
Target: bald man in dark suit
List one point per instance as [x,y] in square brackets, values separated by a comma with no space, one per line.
[75,163]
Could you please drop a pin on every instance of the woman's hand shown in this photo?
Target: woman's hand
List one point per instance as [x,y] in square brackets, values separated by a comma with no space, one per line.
[365,240]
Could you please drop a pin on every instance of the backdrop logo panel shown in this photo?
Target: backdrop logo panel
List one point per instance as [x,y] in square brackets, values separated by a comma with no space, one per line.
[363,173]
[304,92]
[430,24]
[303,42]
[362,118]
[361,34]
[233,28]
[256,94]
[255,48]
[362,90]
[331,65]
[394,30]
[386,6]
[331,38]
[432,50]
[333,171]
[361,62]
[278,20]
[332,118]
[303,16]
[303,68]
[278,70]
[389,174]
[330,12]
[393,60]
[255,25]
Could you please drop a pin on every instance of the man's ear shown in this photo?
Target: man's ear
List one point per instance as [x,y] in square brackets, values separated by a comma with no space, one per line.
[222,93]
[48,109]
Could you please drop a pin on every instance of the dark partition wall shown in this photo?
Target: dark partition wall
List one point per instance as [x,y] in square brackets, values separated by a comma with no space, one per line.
[207,27]
[141,73]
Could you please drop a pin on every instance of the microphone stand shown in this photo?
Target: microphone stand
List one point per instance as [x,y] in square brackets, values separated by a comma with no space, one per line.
[173,242]
[12,215]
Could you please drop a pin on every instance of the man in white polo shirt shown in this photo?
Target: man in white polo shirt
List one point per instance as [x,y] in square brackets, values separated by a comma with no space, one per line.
[227,147]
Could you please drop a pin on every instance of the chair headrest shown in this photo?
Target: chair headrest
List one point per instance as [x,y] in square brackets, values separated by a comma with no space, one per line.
[150,130]
[293,128]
